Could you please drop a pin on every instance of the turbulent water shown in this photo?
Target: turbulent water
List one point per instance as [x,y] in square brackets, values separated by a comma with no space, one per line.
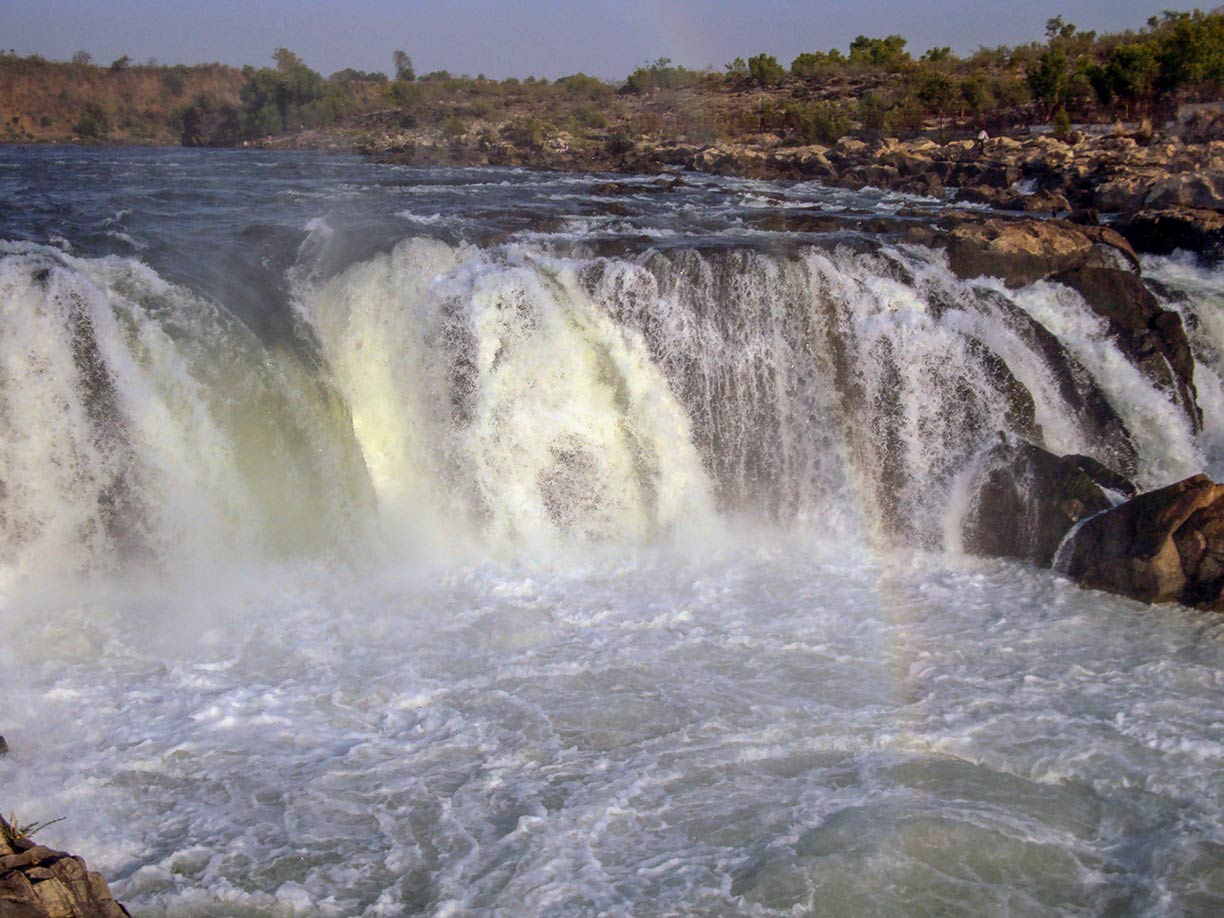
[379,541]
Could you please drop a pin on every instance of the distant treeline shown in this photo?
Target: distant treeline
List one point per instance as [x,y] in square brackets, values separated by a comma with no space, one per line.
[876,85]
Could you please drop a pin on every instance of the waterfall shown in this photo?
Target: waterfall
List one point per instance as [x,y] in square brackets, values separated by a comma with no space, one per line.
[519,396]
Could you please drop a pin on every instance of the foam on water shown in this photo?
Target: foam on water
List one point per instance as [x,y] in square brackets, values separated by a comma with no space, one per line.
[765,731]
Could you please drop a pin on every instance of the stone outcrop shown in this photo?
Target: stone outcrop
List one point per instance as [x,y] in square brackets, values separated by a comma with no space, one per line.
[1022,250]
[1163,232]
[39,882]
[1152,338]
[1112,173]
[1163,546]
[1024,501]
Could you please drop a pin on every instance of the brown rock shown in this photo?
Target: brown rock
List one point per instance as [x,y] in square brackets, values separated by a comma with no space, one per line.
[40,882]
[1103,475]
[1044,202]
[1136,549]
[1024,502]
[1018,251]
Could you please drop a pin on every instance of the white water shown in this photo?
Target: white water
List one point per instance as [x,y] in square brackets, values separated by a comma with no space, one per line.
[516,583]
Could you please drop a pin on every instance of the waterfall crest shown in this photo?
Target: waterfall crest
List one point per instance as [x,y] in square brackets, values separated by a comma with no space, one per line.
[517,396]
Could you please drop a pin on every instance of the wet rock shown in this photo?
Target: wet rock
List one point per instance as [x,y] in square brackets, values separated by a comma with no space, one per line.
[1000,198]
[608,189]
[1020,251]
[1162,232]
[1024,501]
[1045,202]
[1103,475]
[1113,243]
[40,882]
[1093,414]
[1152,338]
[1163,546]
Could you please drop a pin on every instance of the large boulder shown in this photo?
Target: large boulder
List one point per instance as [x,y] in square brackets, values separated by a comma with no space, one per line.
[1023,502]
[1163,546]
[1152,338]
[39,882]
[1162,232]
[1024,251]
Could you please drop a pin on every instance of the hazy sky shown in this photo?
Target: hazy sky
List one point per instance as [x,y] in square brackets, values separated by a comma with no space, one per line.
[607,38]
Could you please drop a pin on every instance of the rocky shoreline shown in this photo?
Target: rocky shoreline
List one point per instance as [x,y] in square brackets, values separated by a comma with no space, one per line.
[40,882]
[1118,173]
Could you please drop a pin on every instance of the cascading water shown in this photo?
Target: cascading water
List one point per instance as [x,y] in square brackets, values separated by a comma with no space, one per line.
[502,571]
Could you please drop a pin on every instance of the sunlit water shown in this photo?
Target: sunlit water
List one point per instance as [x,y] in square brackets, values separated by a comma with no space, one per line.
[384,542]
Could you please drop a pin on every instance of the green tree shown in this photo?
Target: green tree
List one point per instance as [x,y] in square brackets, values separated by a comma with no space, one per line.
[401,63]
[286,60]
[1191,50]
[934,90]
[765,70]
[1048,78]
[1128,75]
[879,52]
[270,98]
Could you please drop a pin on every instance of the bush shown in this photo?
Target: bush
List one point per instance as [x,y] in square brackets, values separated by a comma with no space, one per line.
[765,70]
[175,80]
[590,117]
[579,84]
[1062,124]
[813,64]
[660,75]
[879,52]
[93,122]
[527,132]
[824,122]
[405,95]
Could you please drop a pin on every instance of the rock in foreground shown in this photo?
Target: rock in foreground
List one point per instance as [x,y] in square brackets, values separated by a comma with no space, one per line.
[1163,546]
[1024,502]
[38,882]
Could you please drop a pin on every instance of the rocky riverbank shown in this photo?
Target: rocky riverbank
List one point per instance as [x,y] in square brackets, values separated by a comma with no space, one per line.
[1116,173]
[40,882]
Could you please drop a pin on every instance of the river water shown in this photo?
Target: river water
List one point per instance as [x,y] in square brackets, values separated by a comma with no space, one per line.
[389,541]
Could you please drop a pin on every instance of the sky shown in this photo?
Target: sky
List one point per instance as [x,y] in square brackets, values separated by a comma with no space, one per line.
[548,38]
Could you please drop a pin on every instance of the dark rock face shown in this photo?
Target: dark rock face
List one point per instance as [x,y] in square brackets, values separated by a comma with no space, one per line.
[38,882]
[1163,546]
[1162,232]
[1152,338]
[1024,502]
[1103,475]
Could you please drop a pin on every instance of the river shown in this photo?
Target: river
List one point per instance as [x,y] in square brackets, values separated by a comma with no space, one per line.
[379,540]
